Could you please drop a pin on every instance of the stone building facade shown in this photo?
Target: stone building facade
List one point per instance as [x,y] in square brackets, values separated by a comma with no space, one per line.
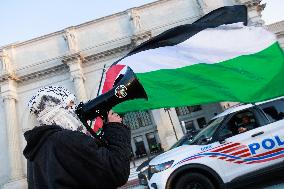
[278,29]
[76,58]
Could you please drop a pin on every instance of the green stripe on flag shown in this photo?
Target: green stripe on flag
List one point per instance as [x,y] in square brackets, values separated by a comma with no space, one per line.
[247,78]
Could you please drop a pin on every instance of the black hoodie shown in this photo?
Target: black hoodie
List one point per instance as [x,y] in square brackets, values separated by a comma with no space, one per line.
[64,159]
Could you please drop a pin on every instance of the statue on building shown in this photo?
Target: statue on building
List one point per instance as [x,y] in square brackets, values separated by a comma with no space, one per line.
[5,62]
[70,38]
[254,11]
[138,36]
[202,4]
[1,63]
[136,21]
[207,6]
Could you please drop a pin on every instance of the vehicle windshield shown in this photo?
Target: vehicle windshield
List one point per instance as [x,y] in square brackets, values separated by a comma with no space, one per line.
[180,142]
[207,133]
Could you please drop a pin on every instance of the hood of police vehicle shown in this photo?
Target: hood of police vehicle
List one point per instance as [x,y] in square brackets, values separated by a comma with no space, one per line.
[176,154]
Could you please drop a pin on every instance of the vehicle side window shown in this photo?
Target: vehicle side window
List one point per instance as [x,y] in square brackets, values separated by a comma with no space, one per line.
[241,122]
[274,110]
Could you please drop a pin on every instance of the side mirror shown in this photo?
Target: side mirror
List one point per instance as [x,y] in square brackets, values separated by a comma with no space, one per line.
[223,137]
[205,141]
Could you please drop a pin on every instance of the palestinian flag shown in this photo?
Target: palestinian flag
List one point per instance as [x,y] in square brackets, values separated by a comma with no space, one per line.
[217,58]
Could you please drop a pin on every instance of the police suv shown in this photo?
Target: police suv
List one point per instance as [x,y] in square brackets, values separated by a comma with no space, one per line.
[238,145]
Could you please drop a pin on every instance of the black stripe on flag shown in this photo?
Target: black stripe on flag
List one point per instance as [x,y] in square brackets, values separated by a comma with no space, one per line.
[176,35]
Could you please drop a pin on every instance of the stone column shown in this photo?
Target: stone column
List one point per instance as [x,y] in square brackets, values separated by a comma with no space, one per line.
[145,141]
[9,97]
[168,126]
[74,61]
[175,121]
[77,77]
[133,147]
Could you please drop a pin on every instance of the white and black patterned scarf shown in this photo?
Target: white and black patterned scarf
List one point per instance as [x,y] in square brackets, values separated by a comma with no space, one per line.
[50,106]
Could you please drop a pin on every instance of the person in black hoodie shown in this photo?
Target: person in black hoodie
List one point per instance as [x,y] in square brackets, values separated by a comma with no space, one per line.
[62,155]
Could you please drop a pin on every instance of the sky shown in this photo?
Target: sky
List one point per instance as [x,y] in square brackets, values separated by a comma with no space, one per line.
[21,20]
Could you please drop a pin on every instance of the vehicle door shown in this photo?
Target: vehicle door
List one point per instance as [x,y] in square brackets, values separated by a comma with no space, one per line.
[239,145]
[274,110]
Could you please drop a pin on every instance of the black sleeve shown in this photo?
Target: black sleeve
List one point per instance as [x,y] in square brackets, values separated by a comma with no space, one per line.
[91,164]
[30,174]
[118,137]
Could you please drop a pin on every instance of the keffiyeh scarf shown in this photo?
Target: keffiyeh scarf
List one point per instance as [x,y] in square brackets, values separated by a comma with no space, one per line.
[51,107]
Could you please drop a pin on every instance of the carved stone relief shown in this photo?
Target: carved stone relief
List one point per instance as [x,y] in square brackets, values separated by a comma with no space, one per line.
[135,19]
[5,61]
[254,11]
[70,38]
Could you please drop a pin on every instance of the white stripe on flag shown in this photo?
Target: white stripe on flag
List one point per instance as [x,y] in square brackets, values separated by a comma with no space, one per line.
[208,46]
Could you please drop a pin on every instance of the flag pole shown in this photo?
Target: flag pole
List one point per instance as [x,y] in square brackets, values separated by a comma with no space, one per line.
[100,84]
[102,76]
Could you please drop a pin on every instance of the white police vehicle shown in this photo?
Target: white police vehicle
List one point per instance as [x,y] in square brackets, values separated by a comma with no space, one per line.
[237,146]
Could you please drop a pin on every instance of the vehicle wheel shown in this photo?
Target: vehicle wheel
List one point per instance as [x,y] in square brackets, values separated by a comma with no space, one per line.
[193,181]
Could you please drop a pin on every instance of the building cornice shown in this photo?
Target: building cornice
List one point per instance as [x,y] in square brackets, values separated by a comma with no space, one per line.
[71,57]
[89,51]
[63,68]
[139,38]
[108,53]
[6,76]
[135,40]
[45,73]
[276,28]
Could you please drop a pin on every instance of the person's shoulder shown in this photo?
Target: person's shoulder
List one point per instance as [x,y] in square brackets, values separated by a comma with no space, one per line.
[70,145]
[68,138]
[115,125]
